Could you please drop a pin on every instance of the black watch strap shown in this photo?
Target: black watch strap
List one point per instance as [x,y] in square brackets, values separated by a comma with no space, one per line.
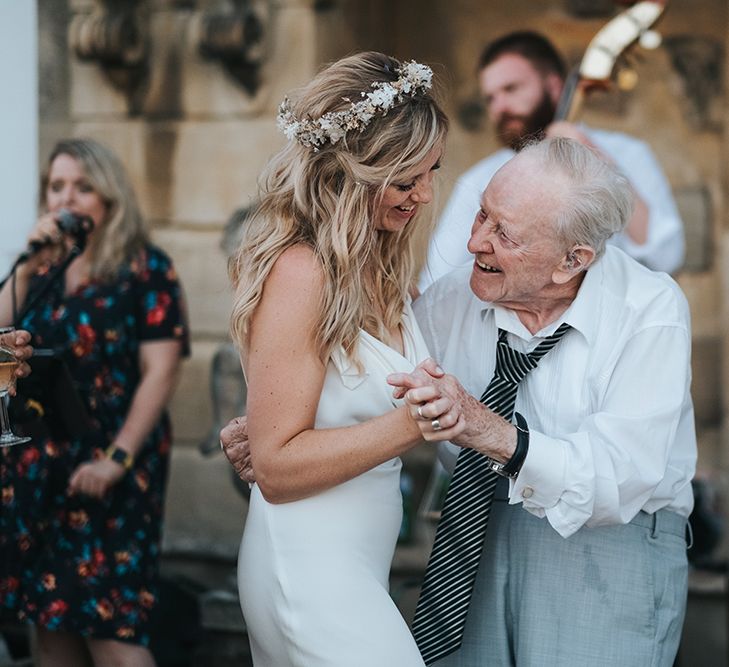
[512,467]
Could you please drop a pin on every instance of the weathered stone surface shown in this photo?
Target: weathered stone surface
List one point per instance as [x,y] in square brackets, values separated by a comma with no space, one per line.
[207,90]
[204,513]
[706,381]
[191,407]
[92,94]
[216,167]
[694,205]
[163,89]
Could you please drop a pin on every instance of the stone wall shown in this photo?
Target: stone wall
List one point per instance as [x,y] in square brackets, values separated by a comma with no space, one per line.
[194,133]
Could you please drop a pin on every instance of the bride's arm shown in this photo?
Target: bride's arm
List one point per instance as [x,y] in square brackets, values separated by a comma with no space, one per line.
[290,459]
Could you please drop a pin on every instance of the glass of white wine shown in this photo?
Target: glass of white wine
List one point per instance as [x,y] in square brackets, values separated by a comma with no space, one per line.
[8,364]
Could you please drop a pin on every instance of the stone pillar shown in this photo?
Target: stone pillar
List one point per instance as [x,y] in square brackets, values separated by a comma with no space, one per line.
[18,126]
[723,268]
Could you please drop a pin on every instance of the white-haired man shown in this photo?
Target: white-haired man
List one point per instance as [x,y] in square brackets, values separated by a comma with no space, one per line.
[582,561]
[521,77]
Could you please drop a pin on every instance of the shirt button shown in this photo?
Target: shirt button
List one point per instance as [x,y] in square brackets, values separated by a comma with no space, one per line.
[527,492]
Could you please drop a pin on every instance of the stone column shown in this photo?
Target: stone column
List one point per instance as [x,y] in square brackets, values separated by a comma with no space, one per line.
[723,268]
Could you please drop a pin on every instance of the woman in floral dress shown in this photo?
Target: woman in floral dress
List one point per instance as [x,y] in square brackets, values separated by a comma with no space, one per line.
[81,518]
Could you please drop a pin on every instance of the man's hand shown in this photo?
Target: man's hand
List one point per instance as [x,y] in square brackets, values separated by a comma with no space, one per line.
[234,443]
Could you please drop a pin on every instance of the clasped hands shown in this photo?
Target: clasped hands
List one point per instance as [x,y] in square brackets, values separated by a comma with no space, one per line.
[444,410]
[433,399]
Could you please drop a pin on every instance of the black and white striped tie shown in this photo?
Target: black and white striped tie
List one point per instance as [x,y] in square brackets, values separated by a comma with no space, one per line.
[440,616]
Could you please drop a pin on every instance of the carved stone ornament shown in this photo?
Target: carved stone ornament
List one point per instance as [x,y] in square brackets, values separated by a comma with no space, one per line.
[235,37]
[115,37]
[699,62]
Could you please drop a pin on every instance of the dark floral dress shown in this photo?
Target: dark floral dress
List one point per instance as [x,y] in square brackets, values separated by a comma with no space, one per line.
[75,563]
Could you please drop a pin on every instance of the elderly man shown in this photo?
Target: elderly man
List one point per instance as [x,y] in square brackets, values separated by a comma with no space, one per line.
[521,77]
[582,560]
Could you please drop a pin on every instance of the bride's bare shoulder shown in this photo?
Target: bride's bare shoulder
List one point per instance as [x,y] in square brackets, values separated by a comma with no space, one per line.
[297,266]
[296,278]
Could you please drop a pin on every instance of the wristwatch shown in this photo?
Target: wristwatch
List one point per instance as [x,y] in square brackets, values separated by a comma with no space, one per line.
[512,467]
[120,456]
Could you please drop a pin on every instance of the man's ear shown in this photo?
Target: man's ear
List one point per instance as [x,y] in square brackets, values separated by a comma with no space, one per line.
[554,85]
[576,260]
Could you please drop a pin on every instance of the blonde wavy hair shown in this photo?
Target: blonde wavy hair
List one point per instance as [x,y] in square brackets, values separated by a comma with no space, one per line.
[123,233]
[328,198]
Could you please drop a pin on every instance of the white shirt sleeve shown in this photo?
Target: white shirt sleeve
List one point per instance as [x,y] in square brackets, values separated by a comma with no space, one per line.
[606,471]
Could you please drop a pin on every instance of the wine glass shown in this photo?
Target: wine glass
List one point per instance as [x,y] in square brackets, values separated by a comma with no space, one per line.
[8,364]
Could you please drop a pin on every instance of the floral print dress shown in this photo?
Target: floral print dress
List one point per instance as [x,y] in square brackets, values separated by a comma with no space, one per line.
[75,563]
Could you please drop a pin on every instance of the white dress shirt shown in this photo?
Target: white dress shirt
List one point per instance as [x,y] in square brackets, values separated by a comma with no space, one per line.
[662,251]
[609,408]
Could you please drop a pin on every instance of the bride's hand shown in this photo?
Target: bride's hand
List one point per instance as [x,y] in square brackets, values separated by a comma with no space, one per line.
[431,398]
[422,374]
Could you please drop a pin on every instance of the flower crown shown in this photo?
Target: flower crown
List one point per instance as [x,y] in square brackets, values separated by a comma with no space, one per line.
[332,126]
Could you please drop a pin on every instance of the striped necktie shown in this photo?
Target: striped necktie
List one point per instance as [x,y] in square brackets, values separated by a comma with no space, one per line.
[440,616]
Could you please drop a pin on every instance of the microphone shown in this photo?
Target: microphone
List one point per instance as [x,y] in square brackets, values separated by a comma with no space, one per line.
[75,225]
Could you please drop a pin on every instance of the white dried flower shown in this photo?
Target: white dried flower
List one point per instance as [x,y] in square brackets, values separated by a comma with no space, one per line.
[332,126]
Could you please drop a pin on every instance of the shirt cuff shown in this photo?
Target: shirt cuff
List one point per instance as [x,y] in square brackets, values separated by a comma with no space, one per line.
[540,483]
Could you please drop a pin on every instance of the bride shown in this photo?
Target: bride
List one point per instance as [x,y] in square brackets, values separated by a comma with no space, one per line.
[321,316]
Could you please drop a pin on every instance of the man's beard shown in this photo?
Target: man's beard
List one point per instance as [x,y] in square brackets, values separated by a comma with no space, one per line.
[531,126]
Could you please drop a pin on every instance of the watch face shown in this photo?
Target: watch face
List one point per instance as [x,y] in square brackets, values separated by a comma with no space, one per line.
[118,455]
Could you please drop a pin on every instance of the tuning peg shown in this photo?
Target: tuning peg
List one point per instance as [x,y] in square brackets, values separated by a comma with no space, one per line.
[627,79]
[650,39]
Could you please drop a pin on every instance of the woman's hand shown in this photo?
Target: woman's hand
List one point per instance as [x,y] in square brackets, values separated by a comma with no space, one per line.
[19,342]
[235,446]
[433,399]
[47,233]
[95,478]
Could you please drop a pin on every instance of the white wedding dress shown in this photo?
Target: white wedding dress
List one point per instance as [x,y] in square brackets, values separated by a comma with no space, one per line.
[313,574]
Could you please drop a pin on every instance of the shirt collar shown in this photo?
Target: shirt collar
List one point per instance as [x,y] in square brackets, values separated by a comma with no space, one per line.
[580,315]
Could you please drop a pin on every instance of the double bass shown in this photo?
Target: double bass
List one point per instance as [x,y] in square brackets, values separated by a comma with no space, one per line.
[599,63]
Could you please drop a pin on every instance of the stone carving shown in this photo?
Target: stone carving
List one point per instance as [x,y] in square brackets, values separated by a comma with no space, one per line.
[699,62]
[115,36]
[236,38]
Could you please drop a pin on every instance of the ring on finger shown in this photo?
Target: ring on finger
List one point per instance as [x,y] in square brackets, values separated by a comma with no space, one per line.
[420,412]
[436,425]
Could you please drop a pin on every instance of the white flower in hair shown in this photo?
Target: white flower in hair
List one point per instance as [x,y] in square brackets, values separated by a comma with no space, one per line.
[332,126]
[384,98]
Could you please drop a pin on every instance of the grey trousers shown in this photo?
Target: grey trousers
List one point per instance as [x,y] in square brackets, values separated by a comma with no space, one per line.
[611,596]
